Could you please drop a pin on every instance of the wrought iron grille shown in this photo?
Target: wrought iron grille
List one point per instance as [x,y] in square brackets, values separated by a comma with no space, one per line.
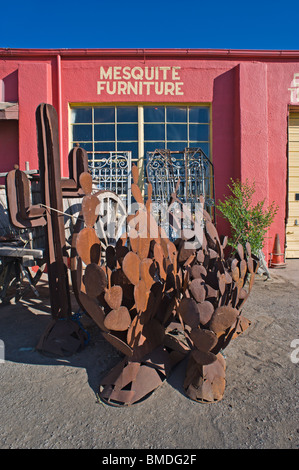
[112,172]
[190,170]
[191,167]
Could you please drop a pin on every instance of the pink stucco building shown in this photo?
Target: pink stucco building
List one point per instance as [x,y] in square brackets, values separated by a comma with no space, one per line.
[240,107]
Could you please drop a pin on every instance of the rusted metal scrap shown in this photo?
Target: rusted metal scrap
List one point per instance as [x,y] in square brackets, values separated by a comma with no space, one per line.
[156,301]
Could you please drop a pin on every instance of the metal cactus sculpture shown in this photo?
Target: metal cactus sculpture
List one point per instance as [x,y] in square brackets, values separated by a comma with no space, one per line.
[156,301]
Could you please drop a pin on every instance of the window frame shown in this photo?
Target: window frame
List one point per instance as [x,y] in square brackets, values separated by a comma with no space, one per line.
[140,125]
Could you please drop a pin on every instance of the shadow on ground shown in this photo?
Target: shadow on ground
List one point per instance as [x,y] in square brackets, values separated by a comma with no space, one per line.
[24,322]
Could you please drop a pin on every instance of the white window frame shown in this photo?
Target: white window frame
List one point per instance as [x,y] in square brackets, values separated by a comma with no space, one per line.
[140,106]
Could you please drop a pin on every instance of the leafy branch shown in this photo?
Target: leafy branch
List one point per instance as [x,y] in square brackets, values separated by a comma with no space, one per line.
[249,222]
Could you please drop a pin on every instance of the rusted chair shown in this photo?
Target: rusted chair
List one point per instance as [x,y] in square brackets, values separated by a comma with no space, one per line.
[21,211]
[78,164]
[19,254]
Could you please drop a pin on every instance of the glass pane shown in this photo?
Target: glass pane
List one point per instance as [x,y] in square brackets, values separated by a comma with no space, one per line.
[104,114]
[154,114]
[128,147]
[199,132]
[104,146]
[205,147]
[152,146]
[79,115]
[99,158]
[199,114]
[176,132]
[82,132]
[175,114]
[127,114]
[177,146]
[85,145]
[154,132]
[127,132]
[104,132]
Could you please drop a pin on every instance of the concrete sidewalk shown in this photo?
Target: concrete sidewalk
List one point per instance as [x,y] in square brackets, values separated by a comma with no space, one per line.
[290,273]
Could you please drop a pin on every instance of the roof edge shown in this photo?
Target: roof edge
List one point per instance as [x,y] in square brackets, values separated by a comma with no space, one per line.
[203,53]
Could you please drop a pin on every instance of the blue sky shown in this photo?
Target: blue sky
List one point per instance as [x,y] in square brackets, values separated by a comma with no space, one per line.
[149,24]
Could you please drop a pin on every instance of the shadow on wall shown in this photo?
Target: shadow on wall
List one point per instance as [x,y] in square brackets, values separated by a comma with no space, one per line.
[9,129]
[10,85]
[225,136]
[9,148]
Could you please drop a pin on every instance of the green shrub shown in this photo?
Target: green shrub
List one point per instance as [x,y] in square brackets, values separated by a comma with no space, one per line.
[249,223]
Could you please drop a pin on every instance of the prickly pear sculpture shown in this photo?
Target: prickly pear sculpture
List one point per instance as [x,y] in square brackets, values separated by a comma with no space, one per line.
[157,301]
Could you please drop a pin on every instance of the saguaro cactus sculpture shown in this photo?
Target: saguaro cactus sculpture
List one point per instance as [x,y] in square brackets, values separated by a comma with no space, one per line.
[156,301]
[65,337]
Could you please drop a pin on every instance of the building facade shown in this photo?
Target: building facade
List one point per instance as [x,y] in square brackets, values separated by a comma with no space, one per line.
[239,107]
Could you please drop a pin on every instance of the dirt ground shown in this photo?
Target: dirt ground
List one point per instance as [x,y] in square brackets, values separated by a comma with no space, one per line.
[51,403]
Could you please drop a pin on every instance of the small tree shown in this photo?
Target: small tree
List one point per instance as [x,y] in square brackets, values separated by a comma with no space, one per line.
[249,223]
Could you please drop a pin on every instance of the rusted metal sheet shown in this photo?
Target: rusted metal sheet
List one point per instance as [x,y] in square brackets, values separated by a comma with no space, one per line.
[51,193]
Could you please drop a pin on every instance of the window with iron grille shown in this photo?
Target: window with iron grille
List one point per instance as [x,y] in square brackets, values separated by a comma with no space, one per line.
[139,129]
[117,136]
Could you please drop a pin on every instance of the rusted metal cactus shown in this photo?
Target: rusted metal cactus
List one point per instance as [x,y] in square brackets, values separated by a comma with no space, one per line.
[156,301]
[124,291]
[211,312]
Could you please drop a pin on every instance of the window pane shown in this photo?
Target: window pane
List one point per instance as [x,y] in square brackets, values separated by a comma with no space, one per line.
[104,132]
[178,146]
[176,132]
[82,132]
[85,145]
[99,157]
[104,146]
[205,147]
[175,114]
[104,114]
[199,114]
[154,114]
[152,146]
[127,132]
[199,132]
[128,147]
[127,114]
[79,115]
[154,132]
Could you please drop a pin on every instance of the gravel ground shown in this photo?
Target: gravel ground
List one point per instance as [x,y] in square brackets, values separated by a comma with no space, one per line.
[48,403]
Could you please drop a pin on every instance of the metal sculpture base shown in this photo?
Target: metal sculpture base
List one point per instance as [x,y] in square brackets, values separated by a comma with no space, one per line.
[62,338]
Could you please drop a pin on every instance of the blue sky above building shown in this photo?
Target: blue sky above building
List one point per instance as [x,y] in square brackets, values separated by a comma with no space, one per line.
[155,24]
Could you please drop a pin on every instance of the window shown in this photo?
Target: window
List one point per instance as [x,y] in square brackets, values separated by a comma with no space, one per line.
[139,129]
[105,129]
